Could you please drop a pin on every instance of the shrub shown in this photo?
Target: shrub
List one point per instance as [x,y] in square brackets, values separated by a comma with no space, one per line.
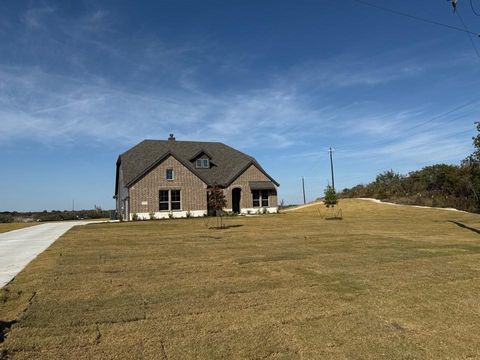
[6,218]
[135,217]
[330,197]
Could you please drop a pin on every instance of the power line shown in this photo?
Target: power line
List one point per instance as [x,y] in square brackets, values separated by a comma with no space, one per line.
[473,8]
[468,33]
[413,146]
[303,190]
[417,146]
[424,144]
[414,17]
[330,151]
[442,115]
[464,105]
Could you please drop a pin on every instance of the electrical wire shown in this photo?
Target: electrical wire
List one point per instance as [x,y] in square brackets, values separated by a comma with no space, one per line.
[385,143]
[442,115]
[417,146]
[418,18]
[473,8]
[433,22]
[464,105]
[468,33]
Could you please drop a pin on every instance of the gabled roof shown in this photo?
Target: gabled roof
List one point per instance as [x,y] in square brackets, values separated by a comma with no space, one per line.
[229,163]
[198,154]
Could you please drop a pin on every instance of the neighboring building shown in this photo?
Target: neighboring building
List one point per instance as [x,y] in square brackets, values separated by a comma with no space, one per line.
[171,178]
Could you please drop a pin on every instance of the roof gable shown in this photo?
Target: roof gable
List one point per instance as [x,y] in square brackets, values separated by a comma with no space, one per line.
[200,154]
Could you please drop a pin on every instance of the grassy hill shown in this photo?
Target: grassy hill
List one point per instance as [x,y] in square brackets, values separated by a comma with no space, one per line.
[388,281]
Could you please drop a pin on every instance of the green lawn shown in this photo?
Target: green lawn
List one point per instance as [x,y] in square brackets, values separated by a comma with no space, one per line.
[387,282]
[15,226]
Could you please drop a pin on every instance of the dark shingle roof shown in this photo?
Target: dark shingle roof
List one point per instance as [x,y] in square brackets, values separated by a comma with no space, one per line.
[261,185]
[227,163]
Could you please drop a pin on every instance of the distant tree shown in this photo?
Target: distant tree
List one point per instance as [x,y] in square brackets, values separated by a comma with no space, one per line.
[388,184]
[217,201]
[440,185]
[330,198]
[470,169]
[476,144]
[6,218]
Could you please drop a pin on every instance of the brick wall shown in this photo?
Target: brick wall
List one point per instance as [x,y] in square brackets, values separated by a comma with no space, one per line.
[246,199]
[193,190]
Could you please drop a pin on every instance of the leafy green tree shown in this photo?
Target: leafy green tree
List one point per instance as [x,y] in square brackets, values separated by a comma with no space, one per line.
[388,184]
[330,198]
[475,157]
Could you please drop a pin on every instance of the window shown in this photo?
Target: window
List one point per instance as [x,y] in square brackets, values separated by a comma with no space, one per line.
[256,198]
[169,174]
[175,199]
[163,196]
[264,197]
[260,198]
[169,200]
[202,164]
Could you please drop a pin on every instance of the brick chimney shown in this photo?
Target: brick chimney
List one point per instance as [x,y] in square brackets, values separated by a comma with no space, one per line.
[171,138]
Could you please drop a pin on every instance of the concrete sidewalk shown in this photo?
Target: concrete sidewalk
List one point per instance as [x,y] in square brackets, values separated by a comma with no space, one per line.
[299,207]
[19,247]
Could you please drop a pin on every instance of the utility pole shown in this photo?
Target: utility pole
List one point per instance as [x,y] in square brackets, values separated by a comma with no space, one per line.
[73,208]
[330,150]
[303,188]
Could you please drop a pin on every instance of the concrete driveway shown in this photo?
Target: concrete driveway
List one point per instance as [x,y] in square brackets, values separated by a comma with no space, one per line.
[19,247]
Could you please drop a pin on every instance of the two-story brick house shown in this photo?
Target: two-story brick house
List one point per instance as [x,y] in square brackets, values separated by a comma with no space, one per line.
[166,178]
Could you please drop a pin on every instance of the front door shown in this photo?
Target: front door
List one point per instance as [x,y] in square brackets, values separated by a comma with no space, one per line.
[236,195]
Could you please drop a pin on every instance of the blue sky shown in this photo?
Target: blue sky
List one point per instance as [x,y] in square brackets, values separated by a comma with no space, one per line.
[83,81]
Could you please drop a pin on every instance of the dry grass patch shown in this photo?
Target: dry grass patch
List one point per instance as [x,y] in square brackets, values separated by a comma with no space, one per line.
[385,282]
[15,226]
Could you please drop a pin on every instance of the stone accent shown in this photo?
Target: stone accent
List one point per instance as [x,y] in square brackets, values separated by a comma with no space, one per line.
[246,199]
[257,210]
[193,190]
[173,214]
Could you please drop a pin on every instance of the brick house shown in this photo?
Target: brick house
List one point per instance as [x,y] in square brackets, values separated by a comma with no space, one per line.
[171,178]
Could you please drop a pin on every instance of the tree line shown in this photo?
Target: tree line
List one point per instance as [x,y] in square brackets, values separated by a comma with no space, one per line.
[54,215]
[440,185]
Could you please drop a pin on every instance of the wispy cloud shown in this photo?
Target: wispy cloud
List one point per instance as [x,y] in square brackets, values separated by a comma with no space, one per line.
[420,148]
[37,17]
[78,78]
[50,108]
[148,88]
